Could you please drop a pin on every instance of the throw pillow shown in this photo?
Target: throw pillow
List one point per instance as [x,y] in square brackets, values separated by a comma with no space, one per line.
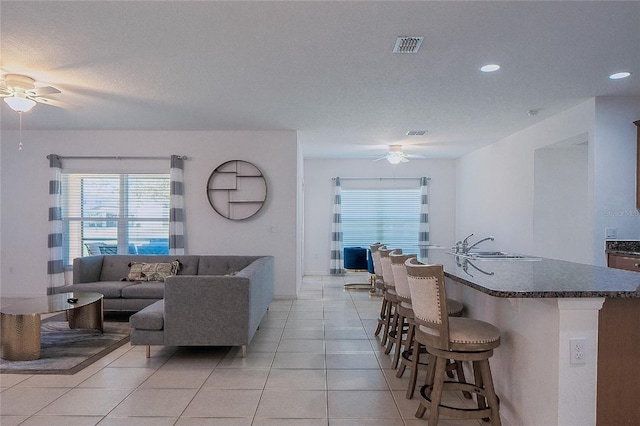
[135,272]
[159,271]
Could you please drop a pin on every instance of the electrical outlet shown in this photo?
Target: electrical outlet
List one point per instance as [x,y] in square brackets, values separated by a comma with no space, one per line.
[578,350]
[611,233]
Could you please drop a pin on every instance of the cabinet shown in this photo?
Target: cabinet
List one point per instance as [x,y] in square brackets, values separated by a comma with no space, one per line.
[618,349]
[618,373]
[623,261]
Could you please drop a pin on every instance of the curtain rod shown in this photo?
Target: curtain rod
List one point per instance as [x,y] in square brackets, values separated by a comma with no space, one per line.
[379,178]
[114,157]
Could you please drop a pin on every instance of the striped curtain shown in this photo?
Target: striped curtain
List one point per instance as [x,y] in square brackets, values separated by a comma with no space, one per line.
[55,265]
[336,264]
[423,238]
[176,213]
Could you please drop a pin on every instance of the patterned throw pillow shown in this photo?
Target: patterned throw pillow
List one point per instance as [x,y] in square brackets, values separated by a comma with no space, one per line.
[135,272]
[142,271]
[159,271]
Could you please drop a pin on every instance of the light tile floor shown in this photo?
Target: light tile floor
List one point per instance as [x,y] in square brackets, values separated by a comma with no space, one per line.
[313,362]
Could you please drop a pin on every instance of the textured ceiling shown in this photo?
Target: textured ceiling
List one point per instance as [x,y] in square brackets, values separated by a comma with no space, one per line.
[324,69]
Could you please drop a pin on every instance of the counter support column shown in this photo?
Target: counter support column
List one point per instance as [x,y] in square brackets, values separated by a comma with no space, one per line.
[577,383]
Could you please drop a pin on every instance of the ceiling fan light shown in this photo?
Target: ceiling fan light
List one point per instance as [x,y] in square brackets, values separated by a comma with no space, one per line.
[394,159]
[20,103]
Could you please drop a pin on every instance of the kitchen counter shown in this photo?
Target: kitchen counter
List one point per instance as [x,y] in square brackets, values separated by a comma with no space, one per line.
[626,247]
[540,306]
[542,278]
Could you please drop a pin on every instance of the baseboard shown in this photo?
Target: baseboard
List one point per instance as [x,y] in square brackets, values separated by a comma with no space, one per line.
[315,273]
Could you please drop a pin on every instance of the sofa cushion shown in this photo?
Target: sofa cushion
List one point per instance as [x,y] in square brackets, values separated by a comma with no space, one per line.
[144,290]
[223,265]
[150,318]
[116,267]
[110,289]
[188,264]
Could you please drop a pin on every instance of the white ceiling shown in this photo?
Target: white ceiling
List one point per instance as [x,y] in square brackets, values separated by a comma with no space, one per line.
[324,69]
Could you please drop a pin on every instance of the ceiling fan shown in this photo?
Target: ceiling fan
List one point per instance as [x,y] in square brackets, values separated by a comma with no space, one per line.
[21,94]
[396,155]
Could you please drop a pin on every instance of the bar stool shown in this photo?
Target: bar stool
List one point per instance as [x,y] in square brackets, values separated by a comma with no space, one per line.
[390,320]
[378,283]
[459,339]
[409,349]
[404,311]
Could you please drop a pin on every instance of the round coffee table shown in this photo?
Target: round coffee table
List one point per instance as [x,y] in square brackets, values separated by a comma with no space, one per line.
[20,322]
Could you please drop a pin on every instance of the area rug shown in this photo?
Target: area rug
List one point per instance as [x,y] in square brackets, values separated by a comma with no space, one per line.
[67,351]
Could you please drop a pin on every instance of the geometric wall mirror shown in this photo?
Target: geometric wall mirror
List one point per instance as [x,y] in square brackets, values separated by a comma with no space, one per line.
[237,190]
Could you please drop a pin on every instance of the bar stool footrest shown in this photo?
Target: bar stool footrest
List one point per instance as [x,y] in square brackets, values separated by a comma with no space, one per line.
[457,412]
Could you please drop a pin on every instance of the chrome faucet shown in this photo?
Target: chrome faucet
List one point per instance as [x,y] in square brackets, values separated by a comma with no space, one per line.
[466,247]
[465,244]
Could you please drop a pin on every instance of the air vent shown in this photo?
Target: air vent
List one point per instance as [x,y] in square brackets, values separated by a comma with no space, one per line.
[408,44]
[416,132]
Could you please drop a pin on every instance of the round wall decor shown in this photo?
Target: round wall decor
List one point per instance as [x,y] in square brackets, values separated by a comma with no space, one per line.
[237,190]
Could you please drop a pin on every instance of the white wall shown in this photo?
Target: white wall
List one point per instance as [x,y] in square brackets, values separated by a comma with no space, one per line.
[615,171]
[318,195]
[561,201]
[496,183]
[274,230]
[300,220]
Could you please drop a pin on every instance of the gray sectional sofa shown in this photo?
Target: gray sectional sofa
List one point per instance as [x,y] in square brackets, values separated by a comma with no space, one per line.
[211,301]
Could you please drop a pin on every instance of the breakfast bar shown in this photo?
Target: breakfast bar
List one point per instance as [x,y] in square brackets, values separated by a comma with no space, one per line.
[541,305]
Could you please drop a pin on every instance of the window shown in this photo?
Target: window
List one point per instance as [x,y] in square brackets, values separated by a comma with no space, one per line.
[115,214]
[391,216]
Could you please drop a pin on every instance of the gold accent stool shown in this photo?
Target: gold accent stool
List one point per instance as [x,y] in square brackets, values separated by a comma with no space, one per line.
[20,337]
[20,322]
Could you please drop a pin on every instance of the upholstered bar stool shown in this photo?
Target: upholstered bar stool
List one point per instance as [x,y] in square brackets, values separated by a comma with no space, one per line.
[458,339]
[388,327]
[409,349]
[378,283]
[404,311]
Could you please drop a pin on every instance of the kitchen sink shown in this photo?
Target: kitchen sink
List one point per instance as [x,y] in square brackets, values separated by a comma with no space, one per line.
[494,255]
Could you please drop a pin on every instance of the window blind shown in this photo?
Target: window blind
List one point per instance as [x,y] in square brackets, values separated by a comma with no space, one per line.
[390,216]
[115,214]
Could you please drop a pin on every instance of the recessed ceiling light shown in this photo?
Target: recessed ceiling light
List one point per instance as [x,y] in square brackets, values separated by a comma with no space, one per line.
[619,75]
[490,68]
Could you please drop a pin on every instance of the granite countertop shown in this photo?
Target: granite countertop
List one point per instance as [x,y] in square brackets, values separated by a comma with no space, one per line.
[541,278]
[627,247]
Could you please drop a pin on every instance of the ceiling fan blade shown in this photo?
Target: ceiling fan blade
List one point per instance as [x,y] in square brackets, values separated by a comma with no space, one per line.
[381,158]
[44,90]
[55,103]
[404,160]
